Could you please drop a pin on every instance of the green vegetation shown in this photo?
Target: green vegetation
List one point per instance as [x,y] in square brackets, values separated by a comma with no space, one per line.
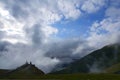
[113,69]
[2,71]
[67,77]
[26,69]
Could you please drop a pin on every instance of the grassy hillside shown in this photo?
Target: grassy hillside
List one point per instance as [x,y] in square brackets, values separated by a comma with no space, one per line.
[95,62]
[26,69]
[113,69]
[2,71]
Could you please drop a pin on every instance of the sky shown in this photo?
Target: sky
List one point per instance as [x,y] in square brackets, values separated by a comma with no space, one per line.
[51,32]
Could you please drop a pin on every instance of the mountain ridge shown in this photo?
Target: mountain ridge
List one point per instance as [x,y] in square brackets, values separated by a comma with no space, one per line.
[95,62]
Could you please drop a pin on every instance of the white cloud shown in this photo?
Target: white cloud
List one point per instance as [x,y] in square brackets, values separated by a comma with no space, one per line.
[113,12]
[68,9]
[91,6]
[104,32]
[11,27]
[28,26]
[20,15]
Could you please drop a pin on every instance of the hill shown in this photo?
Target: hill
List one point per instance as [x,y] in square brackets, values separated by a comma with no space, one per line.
[24,71]
[3,71]
[113,69]
[95,62]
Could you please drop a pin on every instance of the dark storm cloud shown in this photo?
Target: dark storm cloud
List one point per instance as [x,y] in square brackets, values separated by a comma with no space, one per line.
[37,36]
[63,48]
[18,12]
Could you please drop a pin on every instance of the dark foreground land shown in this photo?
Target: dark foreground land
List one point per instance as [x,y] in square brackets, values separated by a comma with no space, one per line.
[63,77]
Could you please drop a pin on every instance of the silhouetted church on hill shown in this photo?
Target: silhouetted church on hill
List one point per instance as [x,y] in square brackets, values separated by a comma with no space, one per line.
[27,69]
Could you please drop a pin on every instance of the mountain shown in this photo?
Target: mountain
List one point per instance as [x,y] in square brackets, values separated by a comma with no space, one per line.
[3,71]
[113,69]
[26,69]
[95,62]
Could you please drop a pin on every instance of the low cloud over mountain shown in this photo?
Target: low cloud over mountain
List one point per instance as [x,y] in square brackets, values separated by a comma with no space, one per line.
[50,32]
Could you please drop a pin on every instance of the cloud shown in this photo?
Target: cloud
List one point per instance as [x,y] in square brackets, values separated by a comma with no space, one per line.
[68,50]
[10,26]
[63,49]
[69,9]
[20,53]
[19,16]
[106,31]
[28,28]
[3,47]
[115,3]
[113,12]
[91,6]
[40,34]
[44,56]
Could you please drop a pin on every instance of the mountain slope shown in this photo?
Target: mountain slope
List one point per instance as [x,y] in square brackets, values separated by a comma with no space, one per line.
[94,62]
[113,69]
[3,71]
[26,69]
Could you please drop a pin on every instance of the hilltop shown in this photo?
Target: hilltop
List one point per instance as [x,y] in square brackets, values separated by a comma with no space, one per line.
[26,70]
